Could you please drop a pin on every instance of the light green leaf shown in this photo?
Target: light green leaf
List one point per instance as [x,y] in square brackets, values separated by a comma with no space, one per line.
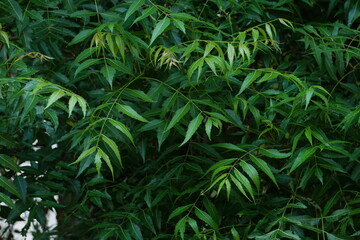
[308,135]
[54,97]
[255,34]
[179,114]
[9,186]
[264,167]
[121,67]
[235,234]
[107,160]
[81,36]
[251,172]
[308,95]
[130,112]
[72,102]
[180,25]
[244,181]
[122,129]
[82,104]
[139,94]
[159,29]
[135,5]
[9,163]
[193,126]
[84,154]
[231,53]
[302,157]
[97,162]
[109,73]
[206,218]
[250,78]
[87,63]
[113,147]
[190,48]
[179,210]
[193,225]
[274,153]
[180,227]
[208,127]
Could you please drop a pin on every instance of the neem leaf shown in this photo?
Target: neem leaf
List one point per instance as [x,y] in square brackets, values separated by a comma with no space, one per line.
[130,112]
[193,126]
[135,5]
[206,218]
[159,29]
[179,210]
[250,78]
[9,186]
[179,114]
[86,64]
[8,162]
[302,157]
[274,153]
[54,97]
[264,167]
[81,36]
[122,129]
[108,72]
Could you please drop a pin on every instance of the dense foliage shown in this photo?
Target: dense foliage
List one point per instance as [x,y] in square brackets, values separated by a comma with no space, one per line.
[181,119]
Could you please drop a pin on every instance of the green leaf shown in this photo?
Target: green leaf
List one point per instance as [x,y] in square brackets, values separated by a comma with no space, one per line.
[82,104]
[109,73]
[244,181]
[179,114]
[86,64]
[107,160]
[135,5]
[54,97]
[180,227]
[21,185]
[193,225]
[72,102]
[235,234]
[264,167]
[121,67]
[308,134]
[130,112]
[206,218]
[190,48]
[9,163]
[274,153]
[180,25]
[139,94]
[9,186]
[81,36]
[231,53]
[252,173]
[193,126]
[113,147]
[5,199]
[146,13]
[84,154]
[250,78]
[159,29]
[15,9]
[179,210]
[308,95]
[302,157]
[208,127]
[122,129]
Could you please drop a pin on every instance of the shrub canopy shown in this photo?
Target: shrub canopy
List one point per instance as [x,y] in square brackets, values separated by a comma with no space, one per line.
[182,119]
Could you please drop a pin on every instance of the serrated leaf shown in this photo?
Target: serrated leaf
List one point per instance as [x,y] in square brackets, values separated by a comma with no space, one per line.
[235,234]
[135,5]
[122,129]
[9,186]
[15,9]
[244,181]
[108,72]
[54,97]
[145,14]
[302,157]
[139,94]
[97,161]
[193,225]
[308,94]
[180,25]
[274,153]
[179,210]
[193,126]
[231,53]
[106,158]
[113,146]
[84,154]
[264,167]
[190,48]
[250,78]
[180,227]
[179,114]
[130,112]
[159,29]
[87,63]
[308,135]
[72,102]
[208,127]
[82,104]
[9,163]
[206,218]
[121,67]
[81,36]
[251,172]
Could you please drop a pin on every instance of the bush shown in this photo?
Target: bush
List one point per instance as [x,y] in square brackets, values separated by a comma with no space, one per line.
[181,119]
